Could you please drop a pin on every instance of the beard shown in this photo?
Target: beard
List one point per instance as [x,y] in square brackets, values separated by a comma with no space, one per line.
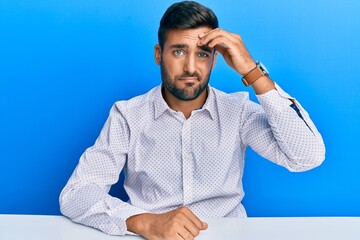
[191,91]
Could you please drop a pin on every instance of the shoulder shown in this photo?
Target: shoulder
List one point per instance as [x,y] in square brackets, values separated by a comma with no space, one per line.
[137,102]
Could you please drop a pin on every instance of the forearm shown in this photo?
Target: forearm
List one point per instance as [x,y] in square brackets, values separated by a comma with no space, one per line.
[294,132]
[279,133]
[92,206]
[85,199]
[263,85]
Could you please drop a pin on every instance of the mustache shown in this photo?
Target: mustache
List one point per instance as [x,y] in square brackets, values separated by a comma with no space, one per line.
[187,74]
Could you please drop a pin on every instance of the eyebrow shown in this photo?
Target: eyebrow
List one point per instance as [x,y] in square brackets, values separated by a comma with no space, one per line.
[179,46]
[204,48]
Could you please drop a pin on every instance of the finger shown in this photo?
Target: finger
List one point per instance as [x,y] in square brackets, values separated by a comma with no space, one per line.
[221,49]
[227,49]
[223,45]
[215,32]
[185,234]
[205,225]
[205,38]
[220,41]
[193,218]
[192,228]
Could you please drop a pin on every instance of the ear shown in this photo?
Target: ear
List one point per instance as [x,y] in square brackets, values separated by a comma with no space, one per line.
[157,54]
[214,60]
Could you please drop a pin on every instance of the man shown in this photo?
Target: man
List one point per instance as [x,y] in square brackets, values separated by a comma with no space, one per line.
[182,144]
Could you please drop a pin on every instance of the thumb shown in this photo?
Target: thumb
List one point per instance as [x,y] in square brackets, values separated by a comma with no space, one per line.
[204,225]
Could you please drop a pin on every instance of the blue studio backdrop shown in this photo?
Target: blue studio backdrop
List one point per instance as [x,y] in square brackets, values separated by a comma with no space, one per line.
[64,63]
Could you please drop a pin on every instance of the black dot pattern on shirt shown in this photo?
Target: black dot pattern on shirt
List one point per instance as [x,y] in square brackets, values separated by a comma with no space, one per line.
[170,161]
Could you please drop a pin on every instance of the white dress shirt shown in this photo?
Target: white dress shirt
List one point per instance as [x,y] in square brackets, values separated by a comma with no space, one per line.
[170,161]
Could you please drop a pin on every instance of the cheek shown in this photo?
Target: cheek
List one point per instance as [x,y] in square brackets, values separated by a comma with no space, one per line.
[205,67]
[173,68]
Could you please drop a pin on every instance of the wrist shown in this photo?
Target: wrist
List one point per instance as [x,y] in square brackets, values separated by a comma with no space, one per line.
[254,74]
[250,67]
[136,223]
[263,85]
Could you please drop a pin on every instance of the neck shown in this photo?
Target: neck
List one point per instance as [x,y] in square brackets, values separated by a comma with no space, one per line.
[186,107]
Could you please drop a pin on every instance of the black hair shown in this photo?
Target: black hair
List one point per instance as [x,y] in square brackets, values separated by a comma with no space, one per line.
[185,15]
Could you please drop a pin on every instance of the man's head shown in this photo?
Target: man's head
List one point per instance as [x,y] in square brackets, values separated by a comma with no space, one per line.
[185,15]
[185,66]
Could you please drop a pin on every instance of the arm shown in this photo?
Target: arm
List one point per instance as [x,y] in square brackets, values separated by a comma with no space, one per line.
[284,133]
[85,198]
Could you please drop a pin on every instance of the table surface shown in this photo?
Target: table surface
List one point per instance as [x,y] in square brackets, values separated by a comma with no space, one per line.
[44,227]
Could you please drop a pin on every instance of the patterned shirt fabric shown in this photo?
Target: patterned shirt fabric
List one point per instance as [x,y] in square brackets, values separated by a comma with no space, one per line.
[170,161]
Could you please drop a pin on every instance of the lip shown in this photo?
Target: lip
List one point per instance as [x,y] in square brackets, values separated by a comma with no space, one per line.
[189,79]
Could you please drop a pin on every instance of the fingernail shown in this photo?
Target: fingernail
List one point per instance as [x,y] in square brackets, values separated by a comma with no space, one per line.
[201,35]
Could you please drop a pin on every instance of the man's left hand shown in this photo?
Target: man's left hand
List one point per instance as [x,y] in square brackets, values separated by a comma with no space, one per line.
[236,55]
[232,48]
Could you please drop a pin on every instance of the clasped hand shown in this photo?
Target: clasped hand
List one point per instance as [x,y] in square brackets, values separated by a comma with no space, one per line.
[180,223]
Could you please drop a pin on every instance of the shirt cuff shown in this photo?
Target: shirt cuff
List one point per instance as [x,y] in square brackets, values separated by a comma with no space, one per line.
[275,100]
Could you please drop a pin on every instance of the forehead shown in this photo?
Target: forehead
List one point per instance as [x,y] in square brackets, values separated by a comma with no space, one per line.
[185,36]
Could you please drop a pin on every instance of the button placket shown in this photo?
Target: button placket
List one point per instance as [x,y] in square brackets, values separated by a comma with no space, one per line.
[187,163]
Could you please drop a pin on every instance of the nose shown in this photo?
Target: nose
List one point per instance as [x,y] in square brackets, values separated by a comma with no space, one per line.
[190,64]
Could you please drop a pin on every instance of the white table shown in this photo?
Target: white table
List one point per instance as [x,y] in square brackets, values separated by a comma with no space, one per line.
[40,227]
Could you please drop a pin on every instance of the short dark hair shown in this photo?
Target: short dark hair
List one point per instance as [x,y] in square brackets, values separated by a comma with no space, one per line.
[185,15]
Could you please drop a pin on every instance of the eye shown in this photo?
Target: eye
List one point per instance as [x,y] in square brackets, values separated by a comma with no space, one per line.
[178,52]
[203,55]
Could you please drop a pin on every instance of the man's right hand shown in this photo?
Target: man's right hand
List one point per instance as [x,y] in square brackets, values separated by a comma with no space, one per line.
[180,223]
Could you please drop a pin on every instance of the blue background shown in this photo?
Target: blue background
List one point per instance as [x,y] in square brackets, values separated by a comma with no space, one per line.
[64,63]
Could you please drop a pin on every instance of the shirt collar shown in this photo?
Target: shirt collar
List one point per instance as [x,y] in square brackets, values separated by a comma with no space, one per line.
[161,106]
[159,103]
[209,104]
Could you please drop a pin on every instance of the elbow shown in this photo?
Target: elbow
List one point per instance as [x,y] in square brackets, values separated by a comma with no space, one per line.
[321,156]
[318,155]
[63,203]
[67,203]
[311,161]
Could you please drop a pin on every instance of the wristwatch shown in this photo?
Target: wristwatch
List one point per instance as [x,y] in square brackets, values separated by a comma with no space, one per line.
[254,74]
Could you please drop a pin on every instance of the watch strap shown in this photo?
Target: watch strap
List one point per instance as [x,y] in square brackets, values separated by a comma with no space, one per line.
[253,75]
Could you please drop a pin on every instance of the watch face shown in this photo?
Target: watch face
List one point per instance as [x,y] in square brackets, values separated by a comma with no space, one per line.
[263,68]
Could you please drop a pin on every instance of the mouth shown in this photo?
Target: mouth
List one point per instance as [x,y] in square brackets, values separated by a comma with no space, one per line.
[189,79]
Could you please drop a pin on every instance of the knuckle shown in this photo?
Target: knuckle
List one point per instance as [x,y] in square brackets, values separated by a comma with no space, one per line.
[170,235]
[196,233]
[183,209]
[237,36]
[174,224]
[178,214]
[188,236]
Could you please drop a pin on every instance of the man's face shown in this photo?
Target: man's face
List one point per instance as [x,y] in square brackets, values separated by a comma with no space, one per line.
[185,67]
